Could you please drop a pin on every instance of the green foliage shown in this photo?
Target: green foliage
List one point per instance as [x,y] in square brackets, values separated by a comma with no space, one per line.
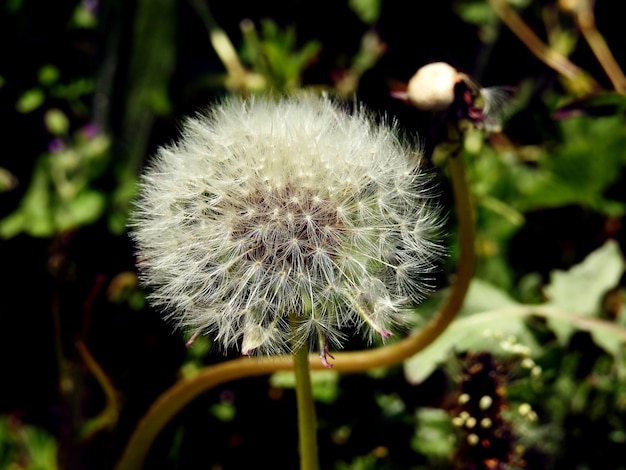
[434,436]
[580,171]
[26,447]
[61,194]
[490,320]
[274,54]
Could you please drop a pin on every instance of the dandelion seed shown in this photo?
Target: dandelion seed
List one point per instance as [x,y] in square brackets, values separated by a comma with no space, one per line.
[267,210]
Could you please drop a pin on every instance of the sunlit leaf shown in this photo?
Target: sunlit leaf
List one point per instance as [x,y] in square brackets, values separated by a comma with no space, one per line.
[474,331]
[492,321]
[582,288]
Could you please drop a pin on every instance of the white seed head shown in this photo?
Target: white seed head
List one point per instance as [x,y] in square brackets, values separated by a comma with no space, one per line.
[267,208]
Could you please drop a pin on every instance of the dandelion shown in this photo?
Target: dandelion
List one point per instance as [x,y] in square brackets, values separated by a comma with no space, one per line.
[275,223]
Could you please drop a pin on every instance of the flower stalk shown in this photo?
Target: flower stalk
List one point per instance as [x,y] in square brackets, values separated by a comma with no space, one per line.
[307,422]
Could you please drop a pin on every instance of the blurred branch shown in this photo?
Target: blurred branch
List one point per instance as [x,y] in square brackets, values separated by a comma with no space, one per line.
[107,418]
[578,80]
[587,25]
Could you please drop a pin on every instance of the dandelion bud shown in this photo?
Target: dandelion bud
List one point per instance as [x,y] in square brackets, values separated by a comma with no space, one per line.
[275,223]
[432,86]
[440,87]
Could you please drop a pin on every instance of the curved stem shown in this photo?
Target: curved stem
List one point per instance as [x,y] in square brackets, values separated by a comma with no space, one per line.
[182,392]
[108,417]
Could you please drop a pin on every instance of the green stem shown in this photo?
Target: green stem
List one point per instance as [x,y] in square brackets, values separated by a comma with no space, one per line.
[182,392]
[307,423]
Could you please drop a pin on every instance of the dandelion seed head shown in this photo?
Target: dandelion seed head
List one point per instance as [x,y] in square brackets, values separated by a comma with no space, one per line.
[267,208]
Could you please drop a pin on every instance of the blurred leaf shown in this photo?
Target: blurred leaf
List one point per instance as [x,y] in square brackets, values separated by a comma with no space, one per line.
[590,160]
[323,382]
[59,196]
[367,10]
[275,56]
[581,290]
[56,122]
[32,216]
[30,100]
[83,16]
[224,411]
[24,447]
[434,434]
[74,90]
[474,331]
[48,74]
[84,209]
[488,314]
[476,12]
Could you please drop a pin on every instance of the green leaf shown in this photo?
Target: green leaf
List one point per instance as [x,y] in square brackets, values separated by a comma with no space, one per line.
[30,101]
[581,290]
[488,330]
[489,314]
[48,74]
[33,214]
[579,172]
[56,121]
[434,434]
[84,209]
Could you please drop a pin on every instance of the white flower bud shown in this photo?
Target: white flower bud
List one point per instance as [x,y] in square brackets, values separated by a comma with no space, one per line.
[432,86]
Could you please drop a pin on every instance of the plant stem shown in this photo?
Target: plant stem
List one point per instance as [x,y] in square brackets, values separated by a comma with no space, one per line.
[307,423]
[587,25]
